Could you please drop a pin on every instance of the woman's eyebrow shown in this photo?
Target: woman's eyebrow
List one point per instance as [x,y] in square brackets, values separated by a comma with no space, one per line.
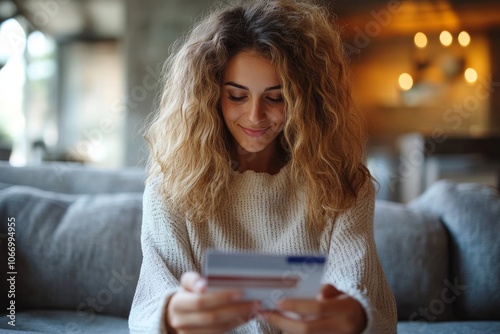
[230,83]
[272,88]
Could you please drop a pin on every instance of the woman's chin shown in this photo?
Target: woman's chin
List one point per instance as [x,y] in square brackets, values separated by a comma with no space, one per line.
[251,148]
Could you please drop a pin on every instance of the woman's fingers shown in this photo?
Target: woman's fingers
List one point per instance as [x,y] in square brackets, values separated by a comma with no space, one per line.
[328,291]
[340,314]
[235,314]
[192,281]
[199,299]
[292,326]
[195,310]
[189,302]
[212,330]
[302,308]
[312,308]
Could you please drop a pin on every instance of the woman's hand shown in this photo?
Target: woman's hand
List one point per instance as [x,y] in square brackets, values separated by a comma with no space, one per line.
[193,310]
[331,312]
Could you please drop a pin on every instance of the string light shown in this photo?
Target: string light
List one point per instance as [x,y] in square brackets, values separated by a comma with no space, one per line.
[464,38]
[420,40]
[446,38]
[470,75]
[405,81]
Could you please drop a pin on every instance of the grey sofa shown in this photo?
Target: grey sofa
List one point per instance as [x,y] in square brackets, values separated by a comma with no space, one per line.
[77,252]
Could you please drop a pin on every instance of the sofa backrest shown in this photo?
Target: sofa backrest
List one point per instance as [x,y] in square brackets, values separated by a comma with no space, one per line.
[72,178]
[77,236]
[72,252]
[413,249]
[471,214]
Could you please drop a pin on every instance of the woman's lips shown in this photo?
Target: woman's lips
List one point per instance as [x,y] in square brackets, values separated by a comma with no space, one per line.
[254,132]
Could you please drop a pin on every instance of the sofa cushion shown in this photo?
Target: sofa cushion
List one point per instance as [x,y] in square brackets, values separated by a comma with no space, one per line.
[67,322]
[448,327]
[76,252]
[413,250]
[471,213]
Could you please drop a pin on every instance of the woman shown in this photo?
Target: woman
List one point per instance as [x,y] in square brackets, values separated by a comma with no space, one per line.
[257,148]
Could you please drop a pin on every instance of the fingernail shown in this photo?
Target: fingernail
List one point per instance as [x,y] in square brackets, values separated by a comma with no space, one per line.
[200,284]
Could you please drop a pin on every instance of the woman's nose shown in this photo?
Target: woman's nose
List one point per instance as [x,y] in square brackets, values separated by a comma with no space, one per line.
[256,113]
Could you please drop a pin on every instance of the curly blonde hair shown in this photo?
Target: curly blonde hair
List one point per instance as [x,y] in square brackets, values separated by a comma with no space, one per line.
[323,137]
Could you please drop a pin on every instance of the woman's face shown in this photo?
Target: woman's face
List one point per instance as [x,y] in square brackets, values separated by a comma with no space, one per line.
[251,101]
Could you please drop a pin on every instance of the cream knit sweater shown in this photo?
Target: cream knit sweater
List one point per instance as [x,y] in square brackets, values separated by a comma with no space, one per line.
[264,217]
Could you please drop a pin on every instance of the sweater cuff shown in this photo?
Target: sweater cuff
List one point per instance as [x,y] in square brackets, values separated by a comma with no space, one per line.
[155,321]
[376,322]
[163,323]
[363,300]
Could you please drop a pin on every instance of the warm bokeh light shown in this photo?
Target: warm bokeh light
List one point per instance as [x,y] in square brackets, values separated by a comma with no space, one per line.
[420,40]
[470,75]
[464,38]
[446,38]
[405,81]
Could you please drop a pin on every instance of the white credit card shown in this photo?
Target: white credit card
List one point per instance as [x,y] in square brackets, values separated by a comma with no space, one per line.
[265,277]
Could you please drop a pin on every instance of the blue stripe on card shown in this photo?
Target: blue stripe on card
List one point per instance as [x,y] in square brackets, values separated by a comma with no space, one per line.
[306,259]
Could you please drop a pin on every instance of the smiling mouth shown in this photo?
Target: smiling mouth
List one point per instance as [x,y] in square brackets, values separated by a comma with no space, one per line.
[254,132]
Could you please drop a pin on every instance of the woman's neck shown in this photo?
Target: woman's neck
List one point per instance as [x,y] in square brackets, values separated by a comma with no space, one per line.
[265,161]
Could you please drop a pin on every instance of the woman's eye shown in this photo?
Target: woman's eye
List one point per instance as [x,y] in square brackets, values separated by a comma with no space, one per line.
[236,98]
[275,100]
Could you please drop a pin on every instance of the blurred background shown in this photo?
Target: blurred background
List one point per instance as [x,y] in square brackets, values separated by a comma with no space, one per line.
[78,80]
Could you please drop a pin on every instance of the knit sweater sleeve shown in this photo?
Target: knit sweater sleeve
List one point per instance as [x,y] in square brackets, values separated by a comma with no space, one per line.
[354,267]
[166,255]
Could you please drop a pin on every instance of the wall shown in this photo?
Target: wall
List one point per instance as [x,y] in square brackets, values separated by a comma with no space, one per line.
[152,26]
[90,119]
